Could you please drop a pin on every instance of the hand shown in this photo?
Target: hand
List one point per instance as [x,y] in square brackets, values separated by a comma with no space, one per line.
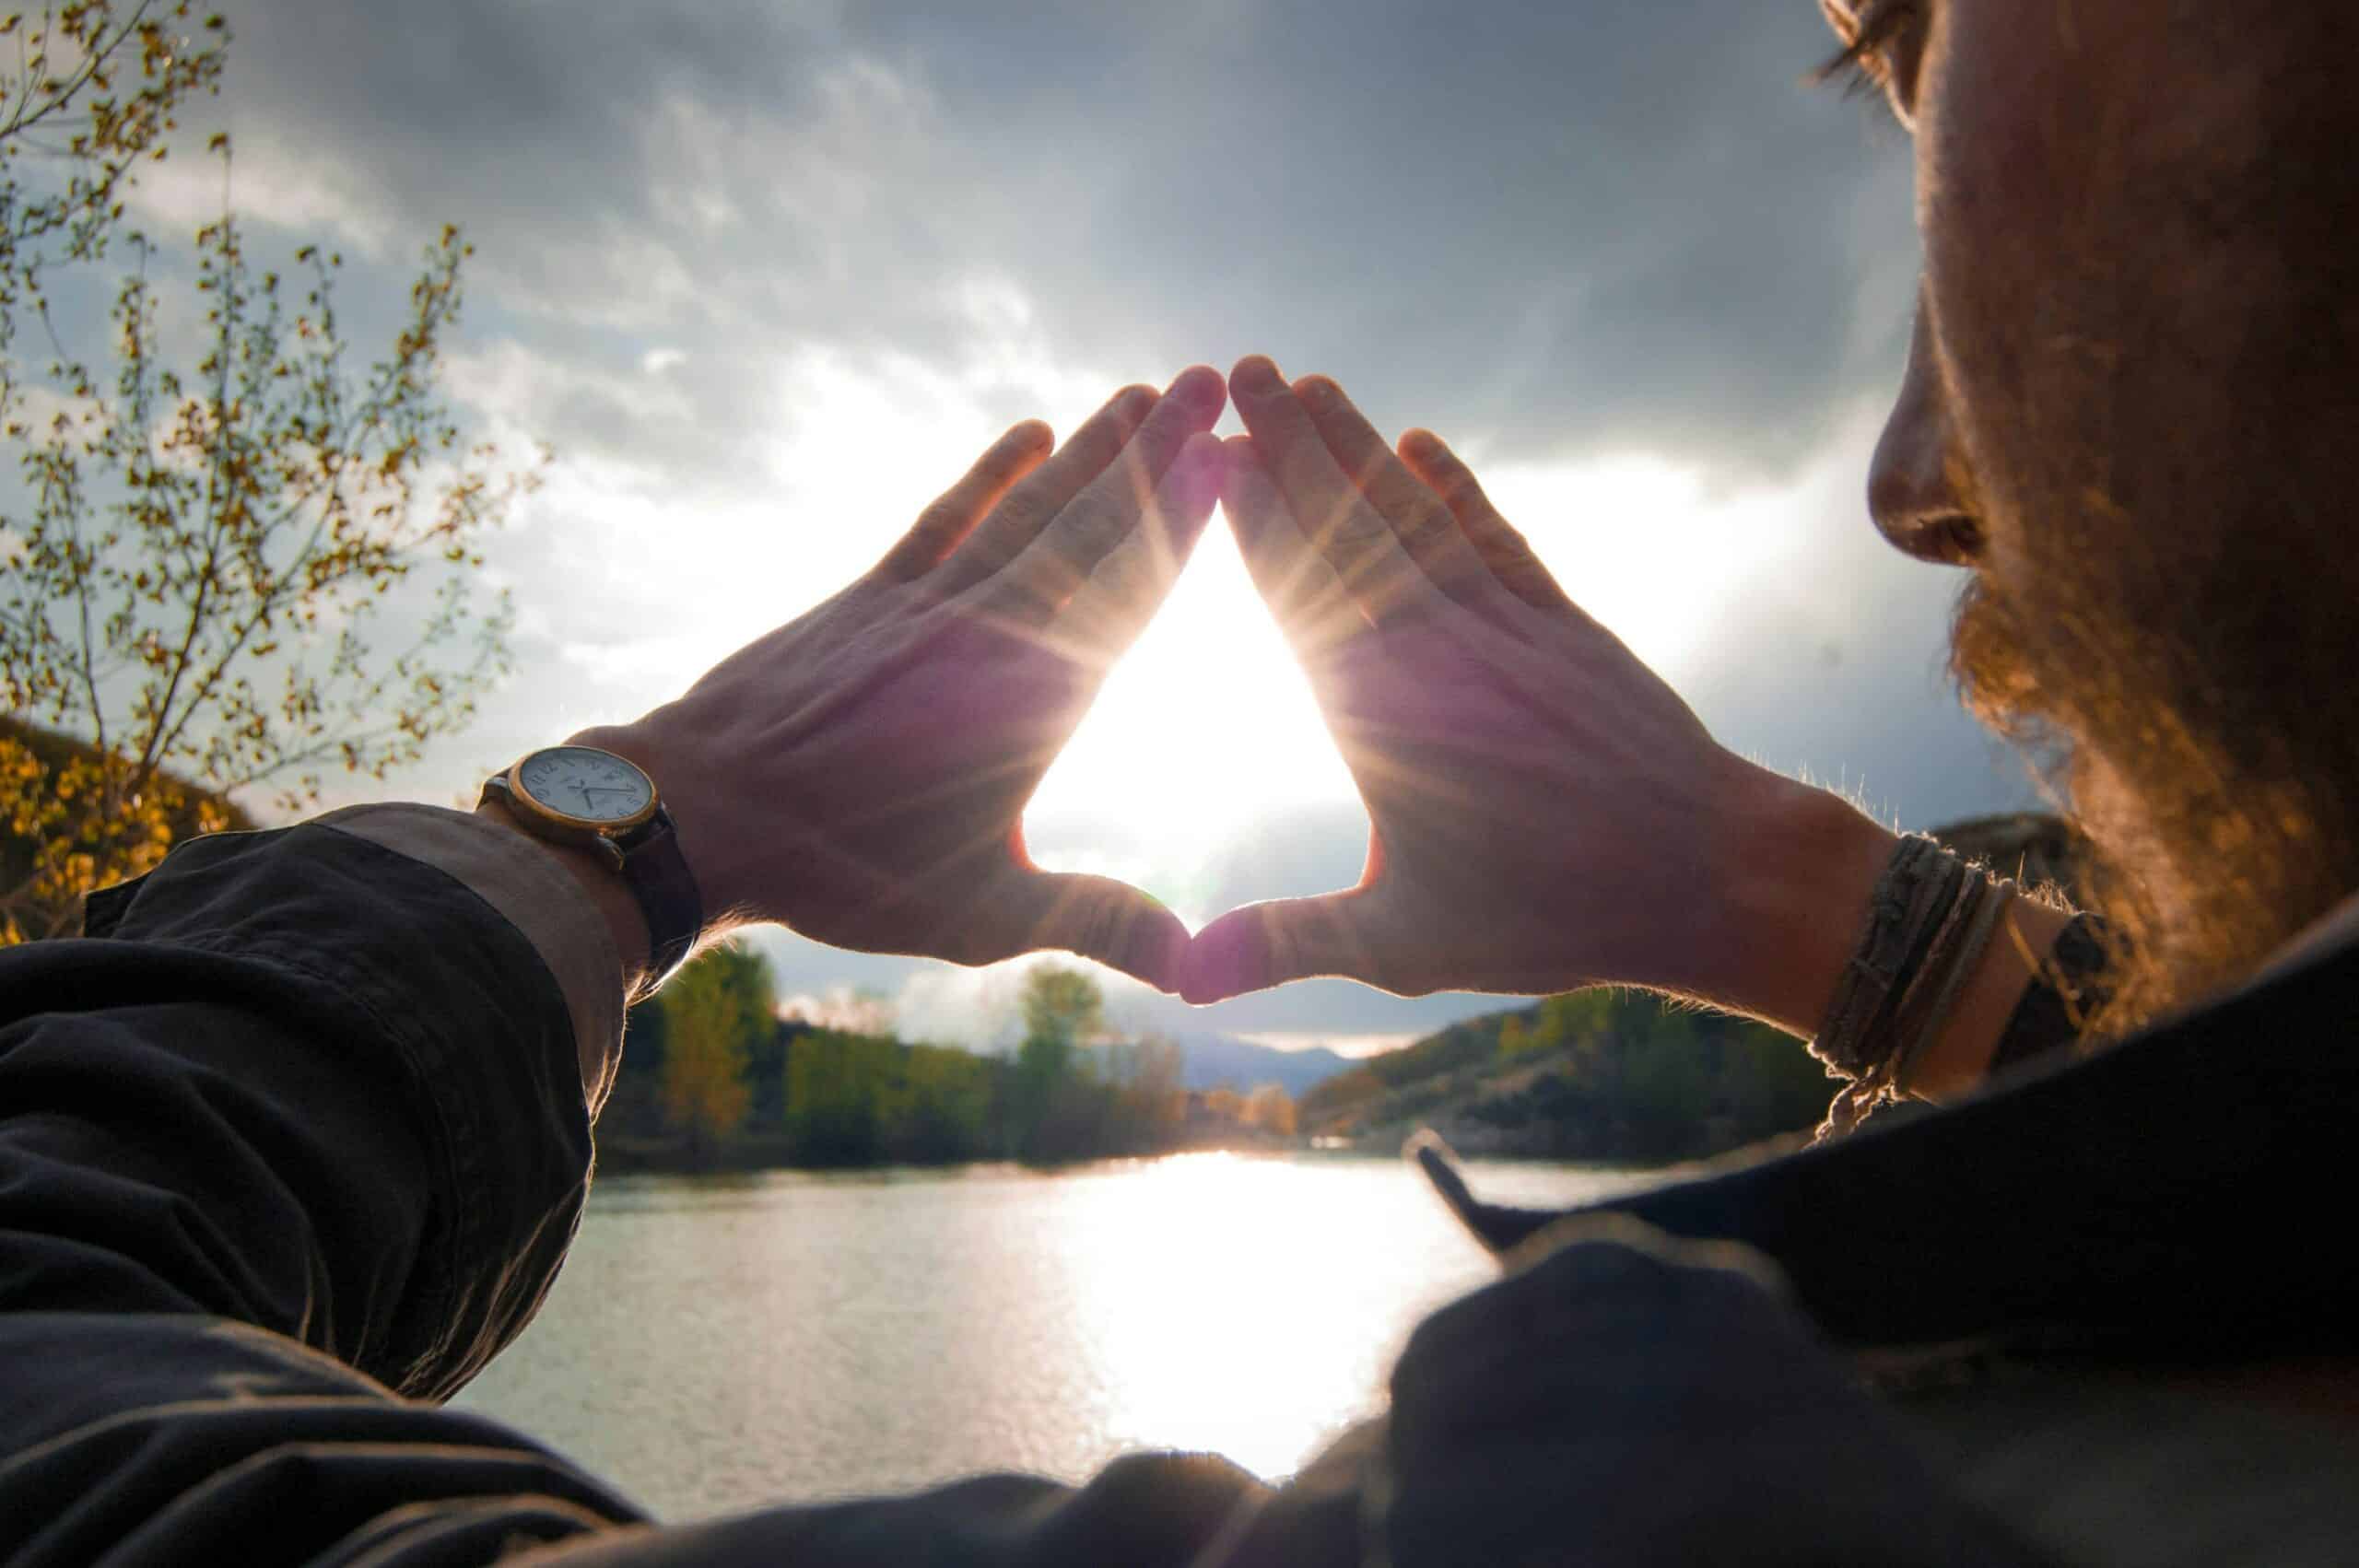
[859,775]
[1545,813]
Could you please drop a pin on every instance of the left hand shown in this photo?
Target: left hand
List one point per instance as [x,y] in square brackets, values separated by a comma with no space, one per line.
[859,775]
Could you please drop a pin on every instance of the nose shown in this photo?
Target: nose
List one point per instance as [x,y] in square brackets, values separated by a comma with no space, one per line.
[1912,489]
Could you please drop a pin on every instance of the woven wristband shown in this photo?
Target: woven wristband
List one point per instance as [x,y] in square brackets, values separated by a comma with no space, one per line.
[1919,885]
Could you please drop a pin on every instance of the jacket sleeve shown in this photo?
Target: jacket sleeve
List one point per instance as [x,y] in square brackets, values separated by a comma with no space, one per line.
[292,1142]
[301,1115]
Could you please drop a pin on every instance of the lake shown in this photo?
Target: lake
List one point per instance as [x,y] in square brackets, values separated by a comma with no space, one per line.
[718,1343]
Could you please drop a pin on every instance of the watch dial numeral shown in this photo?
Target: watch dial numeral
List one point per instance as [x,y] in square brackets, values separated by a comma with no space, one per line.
[584,784]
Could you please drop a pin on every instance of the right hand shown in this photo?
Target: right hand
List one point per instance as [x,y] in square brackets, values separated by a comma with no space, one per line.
[1546,813]
[859,775]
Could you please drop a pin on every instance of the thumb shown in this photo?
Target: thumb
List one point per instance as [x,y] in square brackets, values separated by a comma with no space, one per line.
[1262,945]
[1098,917]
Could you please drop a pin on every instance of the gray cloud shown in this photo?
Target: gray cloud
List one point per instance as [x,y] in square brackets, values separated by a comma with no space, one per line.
[1553,231]
[1568,228]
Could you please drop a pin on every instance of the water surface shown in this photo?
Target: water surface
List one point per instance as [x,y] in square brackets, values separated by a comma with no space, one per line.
[719,1343]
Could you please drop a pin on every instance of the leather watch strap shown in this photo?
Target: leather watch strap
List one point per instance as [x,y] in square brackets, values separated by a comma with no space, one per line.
[659,878]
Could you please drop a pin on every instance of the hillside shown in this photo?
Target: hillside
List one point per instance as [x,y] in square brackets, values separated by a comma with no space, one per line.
[49,751]
[1624,1075]
[1218,1062]
[1598,1075]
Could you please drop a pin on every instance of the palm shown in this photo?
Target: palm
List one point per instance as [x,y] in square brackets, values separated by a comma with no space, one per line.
[1539,802]
[859,775]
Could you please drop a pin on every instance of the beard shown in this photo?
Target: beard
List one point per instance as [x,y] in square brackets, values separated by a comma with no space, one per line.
[2196,718]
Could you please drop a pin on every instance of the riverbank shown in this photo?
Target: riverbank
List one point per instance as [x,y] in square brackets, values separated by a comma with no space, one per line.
[747,1153]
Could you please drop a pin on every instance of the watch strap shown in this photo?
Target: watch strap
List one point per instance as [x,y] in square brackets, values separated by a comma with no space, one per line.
[658,876]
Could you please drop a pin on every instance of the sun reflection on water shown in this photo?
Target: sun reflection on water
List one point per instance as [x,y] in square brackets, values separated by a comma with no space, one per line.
[1217,1331]
[714,1346]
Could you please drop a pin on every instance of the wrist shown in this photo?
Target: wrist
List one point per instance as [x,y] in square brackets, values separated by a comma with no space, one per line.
[600,887]
[641,745]
[1797,868]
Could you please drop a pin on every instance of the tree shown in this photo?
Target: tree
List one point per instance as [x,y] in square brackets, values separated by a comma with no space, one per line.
[1271,1110]
[1063,1010]
[1146,1085]
[945,1108]
[713,1011]
[840,1090]
[215,527]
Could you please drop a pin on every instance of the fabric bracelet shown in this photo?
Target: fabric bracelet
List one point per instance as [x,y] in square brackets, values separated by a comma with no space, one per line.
[1930,920]
[1997,897]
[1900,911]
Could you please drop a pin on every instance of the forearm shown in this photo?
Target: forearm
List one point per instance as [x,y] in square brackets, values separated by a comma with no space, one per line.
[1801,865]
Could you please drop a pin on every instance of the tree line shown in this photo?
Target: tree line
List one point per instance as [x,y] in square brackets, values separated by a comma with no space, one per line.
[712,1077]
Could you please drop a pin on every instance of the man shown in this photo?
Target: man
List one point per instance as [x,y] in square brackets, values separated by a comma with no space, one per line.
[331,1088]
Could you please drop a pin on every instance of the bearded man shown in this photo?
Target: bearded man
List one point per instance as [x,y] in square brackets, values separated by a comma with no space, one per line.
[292,1141]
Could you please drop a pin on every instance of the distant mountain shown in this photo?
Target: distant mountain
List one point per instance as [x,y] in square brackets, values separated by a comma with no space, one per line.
[1215,1062]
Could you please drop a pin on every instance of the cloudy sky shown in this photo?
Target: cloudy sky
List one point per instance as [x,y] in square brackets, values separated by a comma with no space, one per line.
[766,274]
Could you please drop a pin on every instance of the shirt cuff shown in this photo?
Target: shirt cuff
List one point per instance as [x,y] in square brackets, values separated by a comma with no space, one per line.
[534,893]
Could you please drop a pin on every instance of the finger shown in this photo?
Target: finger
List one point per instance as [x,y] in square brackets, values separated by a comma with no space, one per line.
[1028,506]
[1420,521]
[1502,548]
[1268,944]
[1108,510]
[1337,520]
[941,527]
[1317,615]
[1109,611]
[1096,918]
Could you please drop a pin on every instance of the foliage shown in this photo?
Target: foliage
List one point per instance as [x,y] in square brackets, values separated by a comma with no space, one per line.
[946,1107]
[715,1009]
[1064,1008]
[1051,1110]
[1271,1110]
[1596,1074]
[868,1099]
[207,535]
[826,1098]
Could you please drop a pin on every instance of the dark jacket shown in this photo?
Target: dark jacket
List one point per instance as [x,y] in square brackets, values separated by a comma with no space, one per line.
[294,1140]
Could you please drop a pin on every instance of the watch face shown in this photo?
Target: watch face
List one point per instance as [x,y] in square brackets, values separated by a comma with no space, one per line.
[591,785]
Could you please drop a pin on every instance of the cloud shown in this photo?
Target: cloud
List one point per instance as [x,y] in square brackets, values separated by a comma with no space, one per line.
[1573,228]
[767,271]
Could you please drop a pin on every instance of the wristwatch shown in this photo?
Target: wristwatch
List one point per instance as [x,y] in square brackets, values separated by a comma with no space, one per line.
[594,800]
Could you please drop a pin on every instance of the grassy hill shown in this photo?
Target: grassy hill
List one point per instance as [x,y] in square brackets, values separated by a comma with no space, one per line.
[1603,1075]
[1624,1075]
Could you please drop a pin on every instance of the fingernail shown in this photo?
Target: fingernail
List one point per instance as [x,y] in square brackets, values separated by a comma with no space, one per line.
[1199,387]
[1255,373]
[1318,393]
[1135,402]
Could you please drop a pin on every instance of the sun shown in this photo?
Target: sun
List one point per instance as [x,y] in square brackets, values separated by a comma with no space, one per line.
[1208,725]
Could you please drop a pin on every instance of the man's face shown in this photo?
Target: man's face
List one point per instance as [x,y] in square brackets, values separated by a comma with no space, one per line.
[2129,413]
